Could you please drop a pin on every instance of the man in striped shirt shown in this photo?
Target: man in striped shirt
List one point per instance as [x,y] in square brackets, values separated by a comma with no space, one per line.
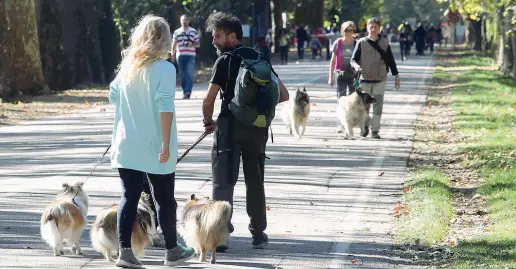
[185,41]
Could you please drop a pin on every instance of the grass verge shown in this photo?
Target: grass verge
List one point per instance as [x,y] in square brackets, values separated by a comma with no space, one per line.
[483,104]
[426,209]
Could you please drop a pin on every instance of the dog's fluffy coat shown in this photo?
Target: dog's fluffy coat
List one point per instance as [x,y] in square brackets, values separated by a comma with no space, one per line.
[205,225]
[352,111]
[64,220]
[104,231]
[295,113]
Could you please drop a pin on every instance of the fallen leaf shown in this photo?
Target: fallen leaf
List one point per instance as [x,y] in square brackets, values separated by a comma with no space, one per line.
[87,103]
[268,208]
[381,174]
[325,139]
[406,189]
[102,110]
[405,213]
[314,104]
[452,243]
[355,261]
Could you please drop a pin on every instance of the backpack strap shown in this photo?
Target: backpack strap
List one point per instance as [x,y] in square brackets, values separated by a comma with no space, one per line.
[380,50]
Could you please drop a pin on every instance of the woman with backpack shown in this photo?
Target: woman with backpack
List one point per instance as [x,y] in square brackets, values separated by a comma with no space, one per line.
[341,71]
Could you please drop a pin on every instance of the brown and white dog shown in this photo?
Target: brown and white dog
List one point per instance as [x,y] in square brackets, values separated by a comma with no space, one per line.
[205,225]
[65,218]
[104,231]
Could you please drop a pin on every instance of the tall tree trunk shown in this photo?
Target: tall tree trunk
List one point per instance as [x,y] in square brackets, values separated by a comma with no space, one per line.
[81,39]
[55,65]
[19,50]
[508,59]
[109,42]
[92,17]
[476,33]
[513,44]
[501,38]
[310,13]
[174,10]
[277,21]
[351,11]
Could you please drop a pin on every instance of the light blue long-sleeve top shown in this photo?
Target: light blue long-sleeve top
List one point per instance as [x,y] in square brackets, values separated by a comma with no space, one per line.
[136,140]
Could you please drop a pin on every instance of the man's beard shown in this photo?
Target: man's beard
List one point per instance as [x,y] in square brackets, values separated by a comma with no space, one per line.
[222,48]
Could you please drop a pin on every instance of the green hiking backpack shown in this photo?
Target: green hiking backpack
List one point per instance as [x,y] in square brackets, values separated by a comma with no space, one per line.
[256,92]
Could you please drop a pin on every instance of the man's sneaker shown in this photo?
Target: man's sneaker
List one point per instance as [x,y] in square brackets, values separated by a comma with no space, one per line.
[126,259]
[260,241]
[375,135]
[366,132]
[178,255]
[186,95]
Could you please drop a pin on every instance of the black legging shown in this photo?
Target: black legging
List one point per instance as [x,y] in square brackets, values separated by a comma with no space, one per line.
[284,54]
[344,86]
[163,192]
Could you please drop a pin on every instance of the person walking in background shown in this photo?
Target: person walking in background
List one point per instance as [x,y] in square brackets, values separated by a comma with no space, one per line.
[341,71]
[316,46]
[373,58]
[284,42]
[431,37]
[186,40]
[302,37]
[419,37]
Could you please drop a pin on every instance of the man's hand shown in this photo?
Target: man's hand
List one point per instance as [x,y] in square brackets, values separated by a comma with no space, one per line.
[208,106]
[397,82]
[209,128]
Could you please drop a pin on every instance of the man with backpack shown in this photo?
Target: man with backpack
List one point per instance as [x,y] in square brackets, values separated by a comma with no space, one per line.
[373,58]
[250,90]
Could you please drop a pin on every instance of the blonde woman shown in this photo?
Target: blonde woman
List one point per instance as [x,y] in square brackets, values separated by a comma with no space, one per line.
[341,71]
[144,140]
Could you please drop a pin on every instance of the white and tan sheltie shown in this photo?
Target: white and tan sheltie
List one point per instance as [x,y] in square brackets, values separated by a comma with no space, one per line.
[104,231]
[64,220]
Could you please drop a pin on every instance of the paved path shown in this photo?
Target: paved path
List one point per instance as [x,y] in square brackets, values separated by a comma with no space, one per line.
[330,199]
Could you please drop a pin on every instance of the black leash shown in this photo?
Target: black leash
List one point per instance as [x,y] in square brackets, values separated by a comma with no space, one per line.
[192,146]
[105,152]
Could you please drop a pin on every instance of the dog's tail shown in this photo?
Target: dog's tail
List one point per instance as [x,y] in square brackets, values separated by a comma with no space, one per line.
[219,216]
[49,224]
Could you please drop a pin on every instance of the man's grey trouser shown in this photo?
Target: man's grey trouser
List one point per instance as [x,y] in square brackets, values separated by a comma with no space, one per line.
[232,140]
[377,90]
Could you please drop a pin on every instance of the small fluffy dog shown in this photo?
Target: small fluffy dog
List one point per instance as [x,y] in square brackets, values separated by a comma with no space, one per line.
[205,225]
[351,112]
[295,113]
[64,220]
[104,232]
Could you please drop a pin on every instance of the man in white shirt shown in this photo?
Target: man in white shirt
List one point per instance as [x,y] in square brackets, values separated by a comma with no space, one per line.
[185,41]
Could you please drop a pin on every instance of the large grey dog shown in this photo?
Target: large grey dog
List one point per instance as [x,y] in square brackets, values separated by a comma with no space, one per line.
[352,111]
[295,113]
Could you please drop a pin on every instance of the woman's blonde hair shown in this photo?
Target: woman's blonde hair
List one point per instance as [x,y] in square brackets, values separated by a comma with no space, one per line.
[149,41]
[345,26]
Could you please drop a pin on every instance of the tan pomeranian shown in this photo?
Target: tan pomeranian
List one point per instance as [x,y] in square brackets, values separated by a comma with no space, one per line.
[104,231]
[205,225]
[64,220]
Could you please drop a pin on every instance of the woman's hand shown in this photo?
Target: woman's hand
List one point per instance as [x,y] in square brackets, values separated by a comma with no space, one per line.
[164,155]
[331,81]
